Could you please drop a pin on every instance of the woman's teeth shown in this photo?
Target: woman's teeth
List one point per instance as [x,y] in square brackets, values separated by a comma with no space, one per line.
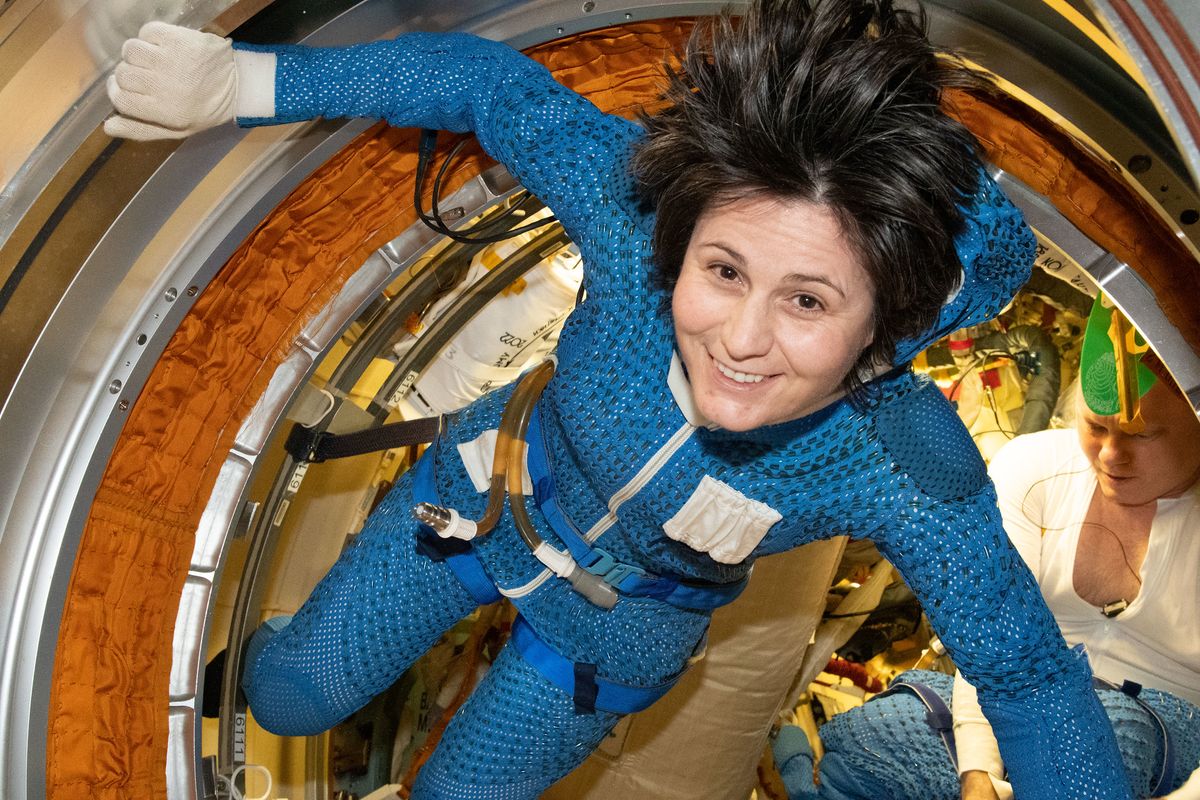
[740,377]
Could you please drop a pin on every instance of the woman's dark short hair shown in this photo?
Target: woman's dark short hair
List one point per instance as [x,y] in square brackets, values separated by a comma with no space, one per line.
[835,102]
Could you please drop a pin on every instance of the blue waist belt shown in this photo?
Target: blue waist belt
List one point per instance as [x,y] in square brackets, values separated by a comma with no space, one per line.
[629,580]
[459,555]
[579,680]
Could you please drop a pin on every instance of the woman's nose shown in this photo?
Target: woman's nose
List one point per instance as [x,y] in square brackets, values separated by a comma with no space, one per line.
[747,331]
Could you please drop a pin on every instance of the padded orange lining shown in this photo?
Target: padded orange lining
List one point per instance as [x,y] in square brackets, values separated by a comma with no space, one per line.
[1093,193]
[108,710]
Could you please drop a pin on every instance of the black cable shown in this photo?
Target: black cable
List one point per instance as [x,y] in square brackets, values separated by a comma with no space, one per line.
[963,375]
[476,234]
[996,413]
[980,360]
[888,607]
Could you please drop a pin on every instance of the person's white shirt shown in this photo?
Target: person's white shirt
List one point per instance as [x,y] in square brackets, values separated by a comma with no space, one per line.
[1045,485]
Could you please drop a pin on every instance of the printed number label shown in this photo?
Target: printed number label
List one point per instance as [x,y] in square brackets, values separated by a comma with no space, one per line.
[510,339]
[297,477]
[239,738]
[403,388]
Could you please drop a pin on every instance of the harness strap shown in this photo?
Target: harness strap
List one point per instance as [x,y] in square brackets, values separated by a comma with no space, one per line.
[1166,769]
[627,579]
[456,553]
[937,713]
[315,446]
[579,679]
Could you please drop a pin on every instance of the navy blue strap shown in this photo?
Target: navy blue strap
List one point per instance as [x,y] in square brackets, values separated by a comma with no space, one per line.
[586,688]
[625,578]
[706,596]
[459,555]
[1166,770]
[579,680]
[937,713]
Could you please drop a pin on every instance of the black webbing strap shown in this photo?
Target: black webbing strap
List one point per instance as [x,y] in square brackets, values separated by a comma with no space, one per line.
[306,444]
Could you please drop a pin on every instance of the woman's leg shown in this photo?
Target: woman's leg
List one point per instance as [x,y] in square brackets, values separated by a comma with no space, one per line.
[379,608]
[516,735]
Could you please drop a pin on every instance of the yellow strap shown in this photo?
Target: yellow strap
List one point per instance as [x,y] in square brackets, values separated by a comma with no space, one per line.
[1126,348]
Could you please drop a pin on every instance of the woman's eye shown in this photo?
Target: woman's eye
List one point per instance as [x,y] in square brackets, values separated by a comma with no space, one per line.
[725,272]
[807,302]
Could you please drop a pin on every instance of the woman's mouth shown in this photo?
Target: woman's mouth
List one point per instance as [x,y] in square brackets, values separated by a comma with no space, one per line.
[735,375]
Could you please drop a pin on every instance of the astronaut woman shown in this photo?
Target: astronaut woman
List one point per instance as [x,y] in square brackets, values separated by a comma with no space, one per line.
[763,259]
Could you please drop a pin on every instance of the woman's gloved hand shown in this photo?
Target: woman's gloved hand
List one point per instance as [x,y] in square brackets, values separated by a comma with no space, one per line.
[172,82]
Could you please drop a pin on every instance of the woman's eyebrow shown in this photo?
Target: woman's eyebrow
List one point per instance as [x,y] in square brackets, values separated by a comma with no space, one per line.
[803,277]
[733,254]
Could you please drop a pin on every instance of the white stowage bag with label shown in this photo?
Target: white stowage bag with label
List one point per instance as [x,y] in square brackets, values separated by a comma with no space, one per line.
[516,330]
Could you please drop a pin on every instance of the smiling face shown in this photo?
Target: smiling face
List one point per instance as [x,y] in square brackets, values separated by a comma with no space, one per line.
[772,310]
[1161,461]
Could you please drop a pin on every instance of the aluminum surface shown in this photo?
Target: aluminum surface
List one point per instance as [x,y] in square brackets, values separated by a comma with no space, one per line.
[58,426]
[1162,36]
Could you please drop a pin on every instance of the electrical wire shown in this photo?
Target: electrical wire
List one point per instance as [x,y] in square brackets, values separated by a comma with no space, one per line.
[991,396]
[963,376]
[489,231]
[868,612]
[979,361]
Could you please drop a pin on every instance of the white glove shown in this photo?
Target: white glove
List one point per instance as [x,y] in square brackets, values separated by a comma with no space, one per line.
[172,82]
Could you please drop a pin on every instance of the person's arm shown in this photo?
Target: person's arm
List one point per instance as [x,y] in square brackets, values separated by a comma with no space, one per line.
[987,610]
[174,82]
[947,541]
[1020,496]
[977,785]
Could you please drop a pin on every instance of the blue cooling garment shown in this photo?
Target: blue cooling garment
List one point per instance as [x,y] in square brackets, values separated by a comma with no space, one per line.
[901,471]
[886,748]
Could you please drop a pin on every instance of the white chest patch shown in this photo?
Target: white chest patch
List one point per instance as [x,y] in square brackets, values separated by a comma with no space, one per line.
[721,521]
[477,457]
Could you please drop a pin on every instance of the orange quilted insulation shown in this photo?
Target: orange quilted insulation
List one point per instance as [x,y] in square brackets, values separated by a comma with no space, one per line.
[1092,192]
[108,711]
[108,708]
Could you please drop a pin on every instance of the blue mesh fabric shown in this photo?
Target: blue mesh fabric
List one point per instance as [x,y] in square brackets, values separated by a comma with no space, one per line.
[515,736]
[996,259]
[917,434]
[1140,740]
[380,607]
[609,410]
[885,748]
